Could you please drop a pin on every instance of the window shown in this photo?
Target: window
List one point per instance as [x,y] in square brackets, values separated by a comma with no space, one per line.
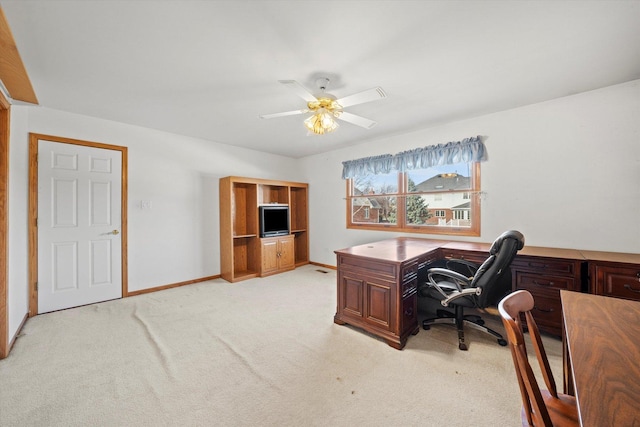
[437,200]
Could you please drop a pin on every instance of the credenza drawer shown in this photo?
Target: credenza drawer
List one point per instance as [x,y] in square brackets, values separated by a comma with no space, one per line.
[617,281]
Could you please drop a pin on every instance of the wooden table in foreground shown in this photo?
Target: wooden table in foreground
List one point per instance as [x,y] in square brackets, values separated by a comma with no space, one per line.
[602,357]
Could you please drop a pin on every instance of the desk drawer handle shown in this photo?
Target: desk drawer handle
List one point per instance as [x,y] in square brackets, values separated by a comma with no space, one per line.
[409,312]
[535,282]
[533,264]
[628,287]
[550,310]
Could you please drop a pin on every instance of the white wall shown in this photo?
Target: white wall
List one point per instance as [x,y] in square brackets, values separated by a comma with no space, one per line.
[564,172]
[178,238]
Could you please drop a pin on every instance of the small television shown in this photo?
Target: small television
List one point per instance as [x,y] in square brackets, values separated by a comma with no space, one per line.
[274,220]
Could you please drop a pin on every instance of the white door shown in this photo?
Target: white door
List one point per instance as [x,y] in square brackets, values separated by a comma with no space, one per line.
[79,217]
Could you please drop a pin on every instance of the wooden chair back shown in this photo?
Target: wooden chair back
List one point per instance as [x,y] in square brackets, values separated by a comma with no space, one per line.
[562,410]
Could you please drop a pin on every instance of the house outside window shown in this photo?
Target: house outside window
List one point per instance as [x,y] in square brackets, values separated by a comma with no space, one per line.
[437,200]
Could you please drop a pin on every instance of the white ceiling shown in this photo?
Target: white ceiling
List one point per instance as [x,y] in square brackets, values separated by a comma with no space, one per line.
[207,69]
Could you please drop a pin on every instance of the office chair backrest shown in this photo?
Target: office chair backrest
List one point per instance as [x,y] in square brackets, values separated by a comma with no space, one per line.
[501,254]
[510,309]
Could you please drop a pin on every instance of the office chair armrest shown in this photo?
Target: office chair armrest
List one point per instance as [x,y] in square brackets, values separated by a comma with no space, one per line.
[447,273]
[460,281]
[460,294]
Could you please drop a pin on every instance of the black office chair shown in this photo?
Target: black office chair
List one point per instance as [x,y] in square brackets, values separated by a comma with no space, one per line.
[486,286]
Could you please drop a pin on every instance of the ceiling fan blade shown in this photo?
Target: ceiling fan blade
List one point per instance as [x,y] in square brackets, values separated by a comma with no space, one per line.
[286,113]
[362,97]
[299,90]
[356,120]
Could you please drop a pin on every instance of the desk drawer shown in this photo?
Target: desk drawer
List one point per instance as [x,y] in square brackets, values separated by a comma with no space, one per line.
[547,312]
[409,312]
[367,266]
[531,281]
[409,287]
[474,257]
[410,271]
[544,265]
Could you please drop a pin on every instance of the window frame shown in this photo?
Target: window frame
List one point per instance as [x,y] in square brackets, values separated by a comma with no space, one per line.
[401,219]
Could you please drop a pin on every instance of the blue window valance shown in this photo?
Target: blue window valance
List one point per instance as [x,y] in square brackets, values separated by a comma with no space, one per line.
[367,166]
[468,150]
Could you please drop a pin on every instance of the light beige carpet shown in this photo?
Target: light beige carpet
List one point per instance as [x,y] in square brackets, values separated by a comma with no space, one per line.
[263,352]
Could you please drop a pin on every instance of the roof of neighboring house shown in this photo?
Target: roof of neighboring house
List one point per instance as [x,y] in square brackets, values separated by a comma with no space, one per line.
[361,201]
[364,201]
[445,182]
[463,206]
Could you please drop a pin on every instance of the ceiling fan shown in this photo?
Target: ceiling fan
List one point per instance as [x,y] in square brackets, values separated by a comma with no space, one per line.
[325,107]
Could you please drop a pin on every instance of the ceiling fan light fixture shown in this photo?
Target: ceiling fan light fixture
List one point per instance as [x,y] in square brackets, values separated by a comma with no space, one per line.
[326,108]
[321,122]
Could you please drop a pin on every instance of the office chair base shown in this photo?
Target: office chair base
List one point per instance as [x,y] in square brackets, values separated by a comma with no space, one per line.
[426,325]
[470,317]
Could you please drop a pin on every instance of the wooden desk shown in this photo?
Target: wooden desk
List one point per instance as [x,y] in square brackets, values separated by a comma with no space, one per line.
[602,357]
[377,282]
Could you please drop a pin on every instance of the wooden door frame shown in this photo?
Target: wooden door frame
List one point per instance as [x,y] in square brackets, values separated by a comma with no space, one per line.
[33,210]
[5,125]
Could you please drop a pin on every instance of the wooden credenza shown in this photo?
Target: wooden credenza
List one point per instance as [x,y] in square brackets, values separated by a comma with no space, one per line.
[377,282]
[614,274]
[545,272]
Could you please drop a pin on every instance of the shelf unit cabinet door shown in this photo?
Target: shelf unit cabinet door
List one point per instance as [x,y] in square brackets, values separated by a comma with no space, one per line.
[286,252]
[269,256]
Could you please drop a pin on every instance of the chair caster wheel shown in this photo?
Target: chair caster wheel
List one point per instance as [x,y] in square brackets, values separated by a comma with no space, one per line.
[502,342]
[426,327]
[462,347]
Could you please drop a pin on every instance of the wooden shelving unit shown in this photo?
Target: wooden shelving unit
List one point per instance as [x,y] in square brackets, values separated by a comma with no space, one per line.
[240,243]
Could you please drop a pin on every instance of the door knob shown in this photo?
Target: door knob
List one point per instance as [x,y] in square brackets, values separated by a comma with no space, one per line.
[115,232]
